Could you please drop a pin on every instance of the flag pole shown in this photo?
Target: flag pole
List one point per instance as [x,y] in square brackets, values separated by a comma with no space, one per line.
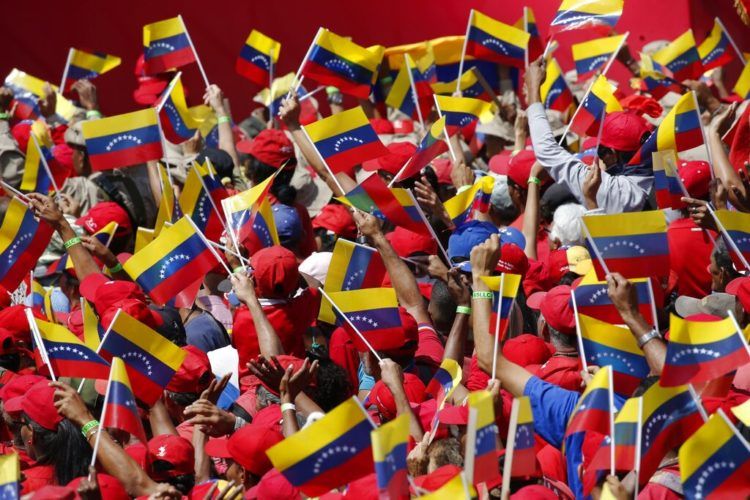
[325,163]
[463,52]
[44,164]
[346,318]
[65,71]
[567,127]
[471,443]
[168,91]
[414,96]
[638,438]
[703,133]
[40,343]
[596,249]
[101,342]
[297,81]
[311,93]
[526,29]
[429,227]
[445,129]
[195,53]
[728,238]
[611,423]
[739,330]
[208,194]
[496,341]
[614,55]
[731,40]
[653,303]
[208,245]
[581,350]
[102,421]
[698,402]
[510,447]
[14,191]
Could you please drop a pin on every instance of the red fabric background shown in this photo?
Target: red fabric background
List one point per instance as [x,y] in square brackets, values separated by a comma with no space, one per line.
[36,37]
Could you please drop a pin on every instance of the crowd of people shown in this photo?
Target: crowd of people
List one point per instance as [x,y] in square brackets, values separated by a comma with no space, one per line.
[261,365]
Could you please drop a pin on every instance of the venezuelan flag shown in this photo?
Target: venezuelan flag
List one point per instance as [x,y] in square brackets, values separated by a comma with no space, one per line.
[521,444]
[469,87]
[742,87]
[273,96]
[583,14]
[528,24]
[121,411]
[592,299]
[250,218]
[36,175]
[632,244]
[666,181]
[486,468]
[653,79]
[169,210]
[27,90]
[335,60]
[179,255]
[23,240]
[10,475]
[166,45]
[373,312]
[402,95]
[123,140]
[345,139]
[143,236]
[600,99]
[555,92]
[331,452]
[178,123]
[433,144]
[462,111]
[700,351]
[605,344]
[715,461]
[69,356]
[680,130]
[735,227]
[670,416]
[105,234]
[593,412]
[93,332]
[441,386]
[681,58]
[491,40]
[591,55]
[151,360]
[35,298]
[456,487]
[84,65]
[461,207]
[715,51]
[202,186]
[256,58]
[502,302]
[627,436]
[389,449]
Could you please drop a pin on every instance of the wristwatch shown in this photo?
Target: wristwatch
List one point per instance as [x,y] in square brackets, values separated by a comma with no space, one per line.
[653,334]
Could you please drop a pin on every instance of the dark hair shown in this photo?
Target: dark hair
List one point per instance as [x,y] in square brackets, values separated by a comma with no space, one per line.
[65,448]
[723,258]
[183,398]
[332,385]
[444,312]
[258,171]
[327,240]
[561,339]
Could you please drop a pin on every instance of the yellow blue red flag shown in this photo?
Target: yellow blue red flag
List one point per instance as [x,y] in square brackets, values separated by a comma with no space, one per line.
[482,426]
[37,177]
[441,386]
[469,86]
[201,193]
[461,207]
[601,15]
[594,410]
[92,328]
[591,55]
[734,225]
[23,240]
[67,355]
[555,92]
[122,412]
[502,301]
[433,144]
[250,218]
[599,100]
[529,25]
[716,50]
[177,121]
[257,57]
[374,313]
[462,111]
[10,475]
[627,439]
[123,140]
[389,449]
[681,58]
[169,210]
[742,87]
[491,40]
[84,65]
[166,45]
[457,487]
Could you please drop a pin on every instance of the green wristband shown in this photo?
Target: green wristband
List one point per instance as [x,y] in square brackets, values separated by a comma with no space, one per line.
[481,295]
[463,310]
[116,268]
[93,114]
[88,426]
[72,241]
[238,269]
[534,180]
[223,119]
[4,116]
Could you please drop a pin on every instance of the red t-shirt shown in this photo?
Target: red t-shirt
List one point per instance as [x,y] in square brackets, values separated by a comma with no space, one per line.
[289,318]
[563,371]
[38,477]
[689,256]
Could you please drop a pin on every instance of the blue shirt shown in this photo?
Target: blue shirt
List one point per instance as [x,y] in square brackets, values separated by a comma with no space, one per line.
[205,333]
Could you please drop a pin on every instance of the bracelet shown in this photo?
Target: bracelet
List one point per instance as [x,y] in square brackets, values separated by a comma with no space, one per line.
[5,116]
[93,114]
[223,119]
[534,180]
[88,426]
[238,269]
[288,406]
[116,268]
[645,339]
[481,295]
[72,241]
[463,310]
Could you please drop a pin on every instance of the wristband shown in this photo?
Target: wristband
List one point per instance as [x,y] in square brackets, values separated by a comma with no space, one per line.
[238,269]
[72,241]
[481,295]
[223,119]
[645,339]
[4,116]
[88,426]
[93,114]
[463,310]
[288,406]
[534,180]
[116,268]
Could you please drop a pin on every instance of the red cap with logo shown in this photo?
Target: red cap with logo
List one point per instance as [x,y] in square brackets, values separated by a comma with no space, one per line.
[337,219]
[270,146]
[102,214]
[623,131]
[398,154]
[513,260]
[557,310]
[175,453]
[276,273]
[194,374]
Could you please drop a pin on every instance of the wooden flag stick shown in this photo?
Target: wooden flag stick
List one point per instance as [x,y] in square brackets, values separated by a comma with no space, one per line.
[297,80]
[195,53]
[209,246]
[463,53]
[429,227]
[595,248]
[510,447]
[413,90]
[39,342]
[496,340]
[165,94]
[611,423]
[614,55]
[346,318]
[579,334]
[44,164]
[102,418]
[65,70]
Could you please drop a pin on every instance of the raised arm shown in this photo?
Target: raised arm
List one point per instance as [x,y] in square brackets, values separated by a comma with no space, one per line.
[393,378]
[531,211]
[268,340]
[214,97]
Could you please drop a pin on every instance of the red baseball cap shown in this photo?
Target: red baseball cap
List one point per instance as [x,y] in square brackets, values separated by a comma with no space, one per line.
[403,126]
[109,487]
[526,349]
[381,126]
[406,243]
[275,271]
[248,446]
[398,154]
[398,342]
[200,491]
[194,374]
[270,416]
[13,392]
[499,163]
[454,415]
[273,486]
[519,167]
[102,214]
[695,176]
[534,492]
[270,146]
[337,219]
[740,287]
[39,404]
[382,397]
[175,453]
[557,310]
[623,131]
[443,168]
[512,260]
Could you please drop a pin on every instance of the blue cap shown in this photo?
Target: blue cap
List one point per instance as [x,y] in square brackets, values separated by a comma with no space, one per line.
[512,235]
[288,224]
[466,237]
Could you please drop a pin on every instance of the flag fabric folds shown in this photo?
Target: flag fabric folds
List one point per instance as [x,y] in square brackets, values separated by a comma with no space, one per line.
[23,239]
[178,256]
[632,244]
[202,186]
[591,55]
[256,58]
[462,111]
[653,79]
[521,440]
[555,92]
[681,58]
[10,476]
[735,226]
[335,60]
[461,207]
[593,412]
[331,452]
[441,386]
[667,185]
[610,345]
[627,438]
[433,144]
[491,40]
[482,426]
[502,301]
[150,359]
[373,312]
[599,100]
[715,461]
[345,139]
[601,15]
[528,24]
[177,121]
[389,449]
[469,86]
[250,218]
[84,65]
[411,88]
[169,210]
[700,351]
[68,356]
[122,412]
[592,300]
[742,87]
[123,140]
[166,45]
[93,333]
[36,175]
[716,50]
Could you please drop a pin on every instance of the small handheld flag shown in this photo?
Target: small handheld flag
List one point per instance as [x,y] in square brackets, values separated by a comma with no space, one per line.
[491,40]
[734,227]
[593,412]
[122,412]
[68,356]
[23,239]
[201,198]
[481,439]
[599,100]
[502,301]
[441,386]
[462,111]
[627,439]
[528,24]
[369,312]
[166,45]
[455,488]
[433,144]
[410,93]
[601,15]
[461,207]
[520,453]
[123,140]
[93,333]
[258,56]
[681,58]
[82,65]
[469,86]
[742,87]
[592,300]
[37,177]
[249,217]
[715,51]
[389,449]
[555,92]
[591,55]
[667,185]
[10,476]
[177,120]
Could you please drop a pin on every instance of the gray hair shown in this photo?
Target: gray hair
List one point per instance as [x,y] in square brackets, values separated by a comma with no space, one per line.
[567,225]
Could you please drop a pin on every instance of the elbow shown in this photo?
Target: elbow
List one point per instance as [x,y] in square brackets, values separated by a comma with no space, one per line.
[484,360]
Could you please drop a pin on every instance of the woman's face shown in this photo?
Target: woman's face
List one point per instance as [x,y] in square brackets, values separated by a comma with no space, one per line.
[27,435]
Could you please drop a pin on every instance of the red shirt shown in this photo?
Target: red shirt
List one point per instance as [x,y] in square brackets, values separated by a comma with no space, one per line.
[689,256]
[289,318]
[38,477]
[563,371]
